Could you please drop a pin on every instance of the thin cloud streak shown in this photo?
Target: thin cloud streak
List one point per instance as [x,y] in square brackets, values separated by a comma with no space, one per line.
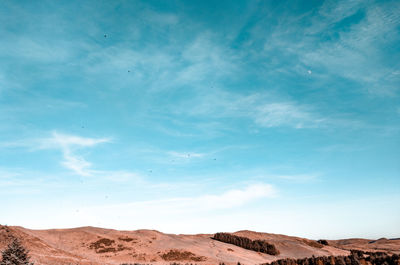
[185,155]
[68,144]
[353,54]
[172,208]
[263,109]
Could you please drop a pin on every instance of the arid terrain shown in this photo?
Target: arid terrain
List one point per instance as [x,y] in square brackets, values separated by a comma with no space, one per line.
[91,245]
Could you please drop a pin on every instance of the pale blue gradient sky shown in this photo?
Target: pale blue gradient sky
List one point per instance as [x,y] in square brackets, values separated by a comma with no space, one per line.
[202,116]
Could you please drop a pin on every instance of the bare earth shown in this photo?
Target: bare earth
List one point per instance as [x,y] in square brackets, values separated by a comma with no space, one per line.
[91,245]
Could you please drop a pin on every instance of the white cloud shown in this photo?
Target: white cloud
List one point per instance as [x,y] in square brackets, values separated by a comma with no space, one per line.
[68,144]
[286,114]
[164,214]
[77,164]
[65,140]
[167,67]
[234,198]
[300,177]
[185,155]
[354,53]
[203,59]
[263,109]
[229,199]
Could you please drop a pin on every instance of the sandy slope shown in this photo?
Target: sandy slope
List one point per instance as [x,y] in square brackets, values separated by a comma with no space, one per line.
[90,245]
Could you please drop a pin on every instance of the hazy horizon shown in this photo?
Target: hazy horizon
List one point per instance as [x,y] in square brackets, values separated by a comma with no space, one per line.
[200,116]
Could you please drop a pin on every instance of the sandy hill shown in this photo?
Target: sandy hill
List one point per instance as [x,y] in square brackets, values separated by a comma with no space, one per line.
[90,245]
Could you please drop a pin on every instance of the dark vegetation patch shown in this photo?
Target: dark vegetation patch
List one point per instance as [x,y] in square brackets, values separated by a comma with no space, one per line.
[122,247]
[323,242]
[105,250]
[105,245]
[173,263]
[5,228]
[134,264]
[15,253]
[244,242]
[126,239]
[101,243]
[175,254]
[356,257]
[6,235]
[380,239]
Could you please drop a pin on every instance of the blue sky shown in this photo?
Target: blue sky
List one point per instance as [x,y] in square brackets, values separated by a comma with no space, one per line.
[202,116]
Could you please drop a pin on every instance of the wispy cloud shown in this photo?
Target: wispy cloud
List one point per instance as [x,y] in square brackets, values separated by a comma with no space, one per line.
[76,163]
[204,59]
[68,144]
[186,205]
[287,114]
[177,214]
[353,52]
[185,155]
[70,141]
[263,109]
[70,147]
[300,177]
[190,64]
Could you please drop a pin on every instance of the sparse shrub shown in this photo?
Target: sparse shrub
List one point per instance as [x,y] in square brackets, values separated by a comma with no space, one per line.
[134,264]
[105,245]
[323,242]
[15,254]
[356,258]
[175,254]
[126,239]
